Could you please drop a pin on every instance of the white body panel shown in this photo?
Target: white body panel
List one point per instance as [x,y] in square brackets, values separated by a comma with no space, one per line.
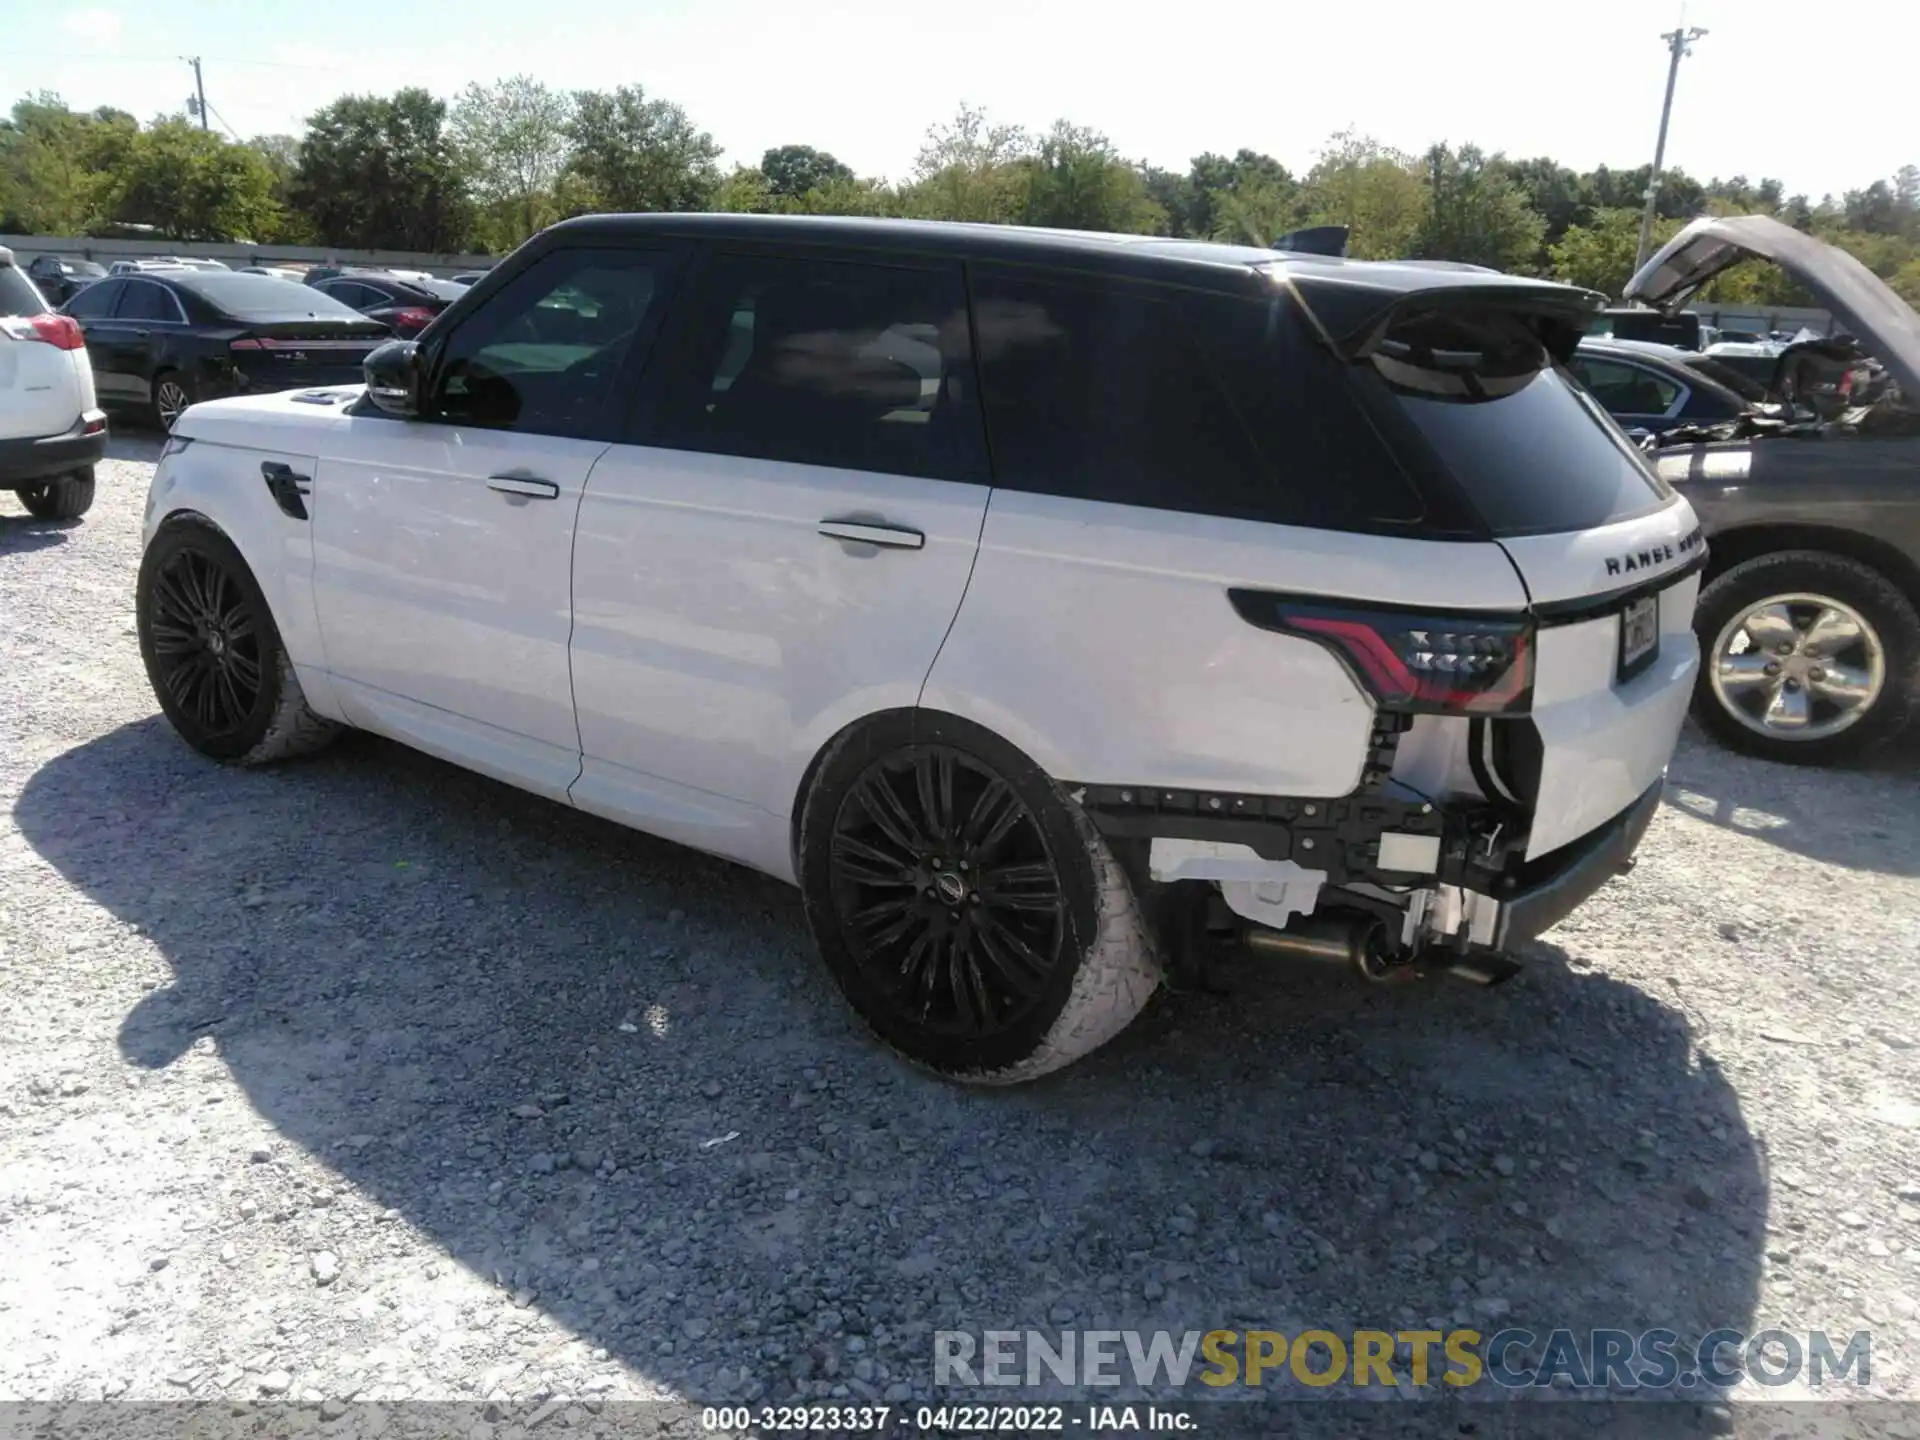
[43,389]
[221,479]
[719,640]
[1604,743]
[436,589]
[1099,639]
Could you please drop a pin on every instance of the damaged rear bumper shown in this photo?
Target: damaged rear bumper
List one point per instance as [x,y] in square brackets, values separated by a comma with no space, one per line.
[1554,886]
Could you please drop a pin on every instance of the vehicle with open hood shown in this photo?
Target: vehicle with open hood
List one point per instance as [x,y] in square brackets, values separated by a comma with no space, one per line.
[1807,623]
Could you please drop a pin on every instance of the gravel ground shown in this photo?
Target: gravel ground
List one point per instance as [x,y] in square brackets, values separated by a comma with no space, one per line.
[364,1078]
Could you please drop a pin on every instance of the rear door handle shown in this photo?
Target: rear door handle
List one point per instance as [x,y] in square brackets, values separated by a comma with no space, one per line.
[520,485]
[898,537]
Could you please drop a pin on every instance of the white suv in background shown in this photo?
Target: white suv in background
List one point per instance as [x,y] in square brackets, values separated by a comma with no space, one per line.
[1040,603]
[51,431]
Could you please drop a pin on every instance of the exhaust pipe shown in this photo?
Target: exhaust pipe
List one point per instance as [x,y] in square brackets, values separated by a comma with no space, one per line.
[1355,944]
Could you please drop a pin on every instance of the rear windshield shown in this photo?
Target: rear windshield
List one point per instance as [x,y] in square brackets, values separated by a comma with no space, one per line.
[18,295]
[439,289]
[264,297]
[1531,450]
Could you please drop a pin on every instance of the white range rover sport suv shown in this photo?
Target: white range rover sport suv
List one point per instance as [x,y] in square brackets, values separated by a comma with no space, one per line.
[1044,605]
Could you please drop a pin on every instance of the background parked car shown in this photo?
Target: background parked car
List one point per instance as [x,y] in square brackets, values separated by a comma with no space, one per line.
[51,430]
[162,339]
[60,277]
[1652,388]
[468,277]
[406,306]
[1809,624]
[278,272]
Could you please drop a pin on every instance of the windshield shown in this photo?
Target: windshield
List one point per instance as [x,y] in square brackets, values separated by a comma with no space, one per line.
[439,289]
[19,295]
[1530,448]
[262,297]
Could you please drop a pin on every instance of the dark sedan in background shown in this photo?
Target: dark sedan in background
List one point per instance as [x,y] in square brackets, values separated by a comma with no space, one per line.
[1809,622]
[1652,388]
[161,340]
[59,278]
[405,305]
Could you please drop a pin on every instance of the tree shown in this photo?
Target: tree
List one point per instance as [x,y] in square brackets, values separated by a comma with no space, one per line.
[381,172]
[1599,255]
[1476,213]
[1376,192]
[1240,199]
[1076,180]
[970,169]
[512,143]
[636,154]
[1554,192]
[792,170]
[194,185]
[46,185]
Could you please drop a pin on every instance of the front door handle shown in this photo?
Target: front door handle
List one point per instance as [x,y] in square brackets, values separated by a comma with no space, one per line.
[520,485]
[898,537]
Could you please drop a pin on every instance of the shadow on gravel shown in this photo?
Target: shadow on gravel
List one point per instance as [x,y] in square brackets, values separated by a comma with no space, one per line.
[20,534]
[1864,816]
[128,443]
[611,1074]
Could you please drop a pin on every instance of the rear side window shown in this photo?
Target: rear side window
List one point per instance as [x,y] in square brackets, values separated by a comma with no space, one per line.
[96,302]
[19,295]
[822,362]
[1174,400]
[144,300]
[1533,452]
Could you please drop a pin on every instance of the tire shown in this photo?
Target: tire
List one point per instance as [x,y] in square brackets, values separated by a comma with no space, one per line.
[198,609]
[1808,584]
[160,407]
[1031,958]
[67,498]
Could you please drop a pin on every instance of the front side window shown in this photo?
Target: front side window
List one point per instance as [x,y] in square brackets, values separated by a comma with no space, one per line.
[822,362]
[542,354]
[144,300]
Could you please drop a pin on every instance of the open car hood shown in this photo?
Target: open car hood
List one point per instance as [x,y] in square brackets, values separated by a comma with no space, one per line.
[1863,302]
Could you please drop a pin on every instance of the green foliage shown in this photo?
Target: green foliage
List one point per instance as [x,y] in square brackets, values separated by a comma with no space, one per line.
[631,153]
[970,169]
[192,185]
[511,139]
[792,170]
[1077,181]
[382,172]
[1376,192]
[1477,212]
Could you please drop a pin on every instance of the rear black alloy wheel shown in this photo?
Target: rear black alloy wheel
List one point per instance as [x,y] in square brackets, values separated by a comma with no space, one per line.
[213,654]
[966,908]
[946,893]
[172,394]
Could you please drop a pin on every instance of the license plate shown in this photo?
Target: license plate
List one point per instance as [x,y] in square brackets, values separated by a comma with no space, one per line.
[1639,636]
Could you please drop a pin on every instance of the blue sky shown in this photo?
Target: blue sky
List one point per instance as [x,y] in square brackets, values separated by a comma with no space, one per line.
[1812,93]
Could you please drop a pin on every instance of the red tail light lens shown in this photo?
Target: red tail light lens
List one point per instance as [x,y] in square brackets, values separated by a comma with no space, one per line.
[246,342]
[412,318]
[1413,662]
[60,331]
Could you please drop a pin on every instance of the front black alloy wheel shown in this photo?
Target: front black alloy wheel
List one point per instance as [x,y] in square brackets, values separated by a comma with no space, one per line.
[212,652]
[946,893]
[966,908]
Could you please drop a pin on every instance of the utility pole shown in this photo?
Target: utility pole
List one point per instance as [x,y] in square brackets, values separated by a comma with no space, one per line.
[1679,43]
[200,88]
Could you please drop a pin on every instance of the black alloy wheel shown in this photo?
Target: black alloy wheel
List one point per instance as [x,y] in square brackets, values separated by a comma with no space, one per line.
[206,641]
[948,897]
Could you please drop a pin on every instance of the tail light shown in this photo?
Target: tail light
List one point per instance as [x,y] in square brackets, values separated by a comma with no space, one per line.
[412,318]
[60,331]
[1412,662]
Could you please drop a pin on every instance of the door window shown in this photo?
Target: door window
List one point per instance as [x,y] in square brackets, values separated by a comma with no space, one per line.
[96,301]
[1625,389]
[144,300]
[543,354]
[823,362]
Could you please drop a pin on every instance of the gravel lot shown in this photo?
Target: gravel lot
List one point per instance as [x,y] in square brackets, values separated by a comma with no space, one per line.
[365,1078]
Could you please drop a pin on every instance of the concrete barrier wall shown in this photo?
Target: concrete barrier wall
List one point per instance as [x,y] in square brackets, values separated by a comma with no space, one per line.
[104,252]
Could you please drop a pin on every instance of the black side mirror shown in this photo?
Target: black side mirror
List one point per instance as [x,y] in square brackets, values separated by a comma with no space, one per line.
[393,378]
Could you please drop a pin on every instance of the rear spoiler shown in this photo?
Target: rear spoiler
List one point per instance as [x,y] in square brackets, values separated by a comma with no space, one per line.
[1353,309]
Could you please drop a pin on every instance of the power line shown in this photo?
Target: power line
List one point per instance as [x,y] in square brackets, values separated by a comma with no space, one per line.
[123,58]
[1679,43]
